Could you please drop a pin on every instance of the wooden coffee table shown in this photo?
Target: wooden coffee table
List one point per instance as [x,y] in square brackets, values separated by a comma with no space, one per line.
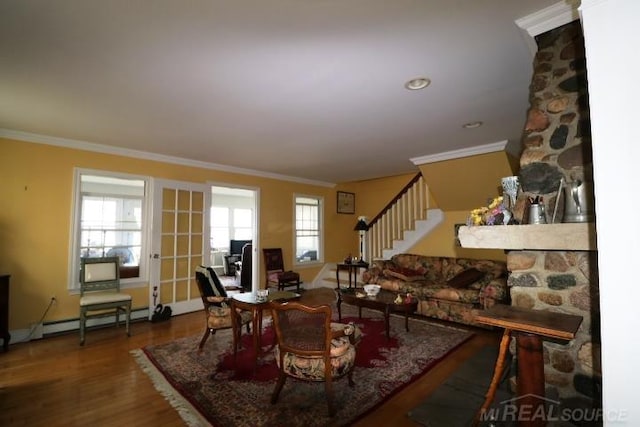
[383,302]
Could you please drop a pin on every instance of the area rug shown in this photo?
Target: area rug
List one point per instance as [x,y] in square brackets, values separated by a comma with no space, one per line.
[207,390]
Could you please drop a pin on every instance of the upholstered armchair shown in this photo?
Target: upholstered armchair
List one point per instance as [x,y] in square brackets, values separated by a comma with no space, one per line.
[312,348]
[218,312]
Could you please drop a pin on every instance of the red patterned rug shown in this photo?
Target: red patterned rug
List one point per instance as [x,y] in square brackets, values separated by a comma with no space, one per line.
[207,391]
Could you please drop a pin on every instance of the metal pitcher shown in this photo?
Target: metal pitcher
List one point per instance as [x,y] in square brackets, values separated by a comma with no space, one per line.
[578,202]
[536,214]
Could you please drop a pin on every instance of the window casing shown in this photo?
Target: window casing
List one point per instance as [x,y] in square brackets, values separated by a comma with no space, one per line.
[110,216]
[308,229]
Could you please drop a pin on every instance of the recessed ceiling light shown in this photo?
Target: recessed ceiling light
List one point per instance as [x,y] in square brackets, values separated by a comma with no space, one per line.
[417,83]
[472,125]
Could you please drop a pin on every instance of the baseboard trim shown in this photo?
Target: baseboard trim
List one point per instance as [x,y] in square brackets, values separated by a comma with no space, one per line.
[60,326]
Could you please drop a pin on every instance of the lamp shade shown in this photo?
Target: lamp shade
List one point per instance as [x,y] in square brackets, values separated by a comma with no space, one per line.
[361,226]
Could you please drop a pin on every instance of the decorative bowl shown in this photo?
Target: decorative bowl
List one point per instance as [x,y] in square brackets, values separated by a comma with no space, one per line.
[372,289]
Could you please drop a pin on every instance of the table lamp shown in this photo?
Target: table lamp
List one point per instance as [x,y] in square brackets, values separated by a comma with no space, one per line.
[361,227]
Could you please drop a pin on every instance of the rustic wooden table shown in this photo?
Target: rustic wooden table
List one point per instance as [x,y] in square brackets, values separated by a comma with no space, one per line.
[529,327]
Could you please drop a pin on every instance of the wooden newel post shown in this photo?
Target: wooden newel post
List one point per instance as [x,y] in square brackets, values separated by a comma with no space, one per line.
[531,410]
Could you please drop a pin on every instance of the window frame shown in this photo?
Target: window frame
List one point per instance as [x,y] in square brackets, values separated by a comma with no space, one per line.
[73,282]
[320,229]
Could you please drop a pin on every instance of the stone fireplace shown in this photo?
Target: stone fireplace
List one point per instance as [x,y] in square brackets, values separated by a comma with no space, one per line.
[553,266]
[557,146]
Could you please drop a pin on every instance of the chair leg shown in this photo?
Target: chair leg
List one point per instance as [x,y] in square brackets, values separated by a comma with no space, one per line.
[128,318]
[207,332]
[83,321]
[350,378]
[328,389]
[237,342]
[282,377]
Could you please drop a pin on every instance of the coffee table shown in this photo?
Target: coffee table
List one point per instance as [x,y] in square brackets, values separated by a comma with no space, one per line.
[383,302]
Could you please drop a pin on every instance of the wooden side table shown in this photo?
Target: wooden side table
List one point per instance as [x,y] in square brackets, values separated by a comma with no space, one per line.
[353,269]
[529,327]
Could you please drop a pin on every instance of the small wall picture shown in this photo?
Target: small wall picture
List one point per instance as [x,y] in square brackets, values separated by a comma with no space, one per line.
[346,202]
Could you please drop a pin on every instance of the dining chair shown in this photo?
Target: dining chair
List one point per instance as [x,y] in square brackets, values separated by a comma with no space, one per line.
[100,294]
[246,270]
[275,272]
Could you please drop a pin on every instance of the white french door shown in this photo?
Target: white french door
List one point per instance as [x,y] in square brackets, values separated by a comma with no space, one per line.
[179,242]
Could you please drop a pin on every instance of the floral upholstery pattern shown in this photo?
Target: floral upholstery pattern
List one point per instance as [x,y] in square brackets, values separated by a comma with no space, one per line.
[343,356]
[219,317]
[428,283]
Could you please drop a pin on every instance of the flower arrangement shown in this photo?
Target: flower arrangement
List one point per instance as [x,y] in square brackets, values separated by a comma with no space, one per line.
[493,214]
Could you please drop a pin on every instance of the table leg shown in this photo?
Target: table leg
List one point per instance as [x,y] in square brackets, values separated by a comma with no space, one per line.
[338,304]
[6,337]
[497,374]
[386,320]
[406,320]
[530,377]
[257,330]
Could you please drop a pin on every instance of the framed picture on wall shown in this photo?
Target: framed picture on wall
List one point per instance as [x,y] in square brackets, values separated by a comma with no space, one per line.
[346,202]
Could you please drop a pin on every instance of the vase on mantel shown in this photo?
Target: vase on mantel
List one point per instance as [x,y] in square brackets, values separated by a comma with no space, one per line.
[510,187]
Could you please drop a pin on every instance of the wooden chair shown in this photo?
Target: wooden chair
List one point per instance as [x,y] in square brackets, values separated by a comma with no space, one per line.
[275,272]
[246,270]
[100,292]
[311,348]
[216,305]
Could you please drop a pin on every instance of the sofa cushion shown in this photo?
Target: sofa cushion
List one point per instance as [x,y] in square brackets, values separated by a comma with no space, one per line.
[406,274]
[430,267]
[465,278]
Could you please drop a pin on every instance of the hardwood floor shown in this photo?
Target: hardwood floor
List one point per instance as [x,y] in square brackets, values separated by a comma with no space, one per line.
[55,382]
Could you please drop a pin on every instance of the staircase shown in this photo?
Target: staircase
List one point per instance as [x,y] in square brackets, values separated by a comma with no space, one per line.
[401,224]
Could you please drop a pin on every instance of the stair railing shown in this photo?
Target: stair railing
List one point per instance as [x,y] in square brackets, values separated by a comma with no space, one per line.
[400,214]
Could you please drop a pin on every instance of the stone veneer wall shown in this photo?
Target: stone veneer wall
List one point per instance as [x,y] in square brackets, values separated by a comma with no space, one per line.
[557,145]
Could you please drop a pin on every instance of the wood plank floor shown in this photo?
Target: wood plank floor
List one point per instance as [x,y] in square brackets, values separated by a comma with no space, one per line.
[55,382]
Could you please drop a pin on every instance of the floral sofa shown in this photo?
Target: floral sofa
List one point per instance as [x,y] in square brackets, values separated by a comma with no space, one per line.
[453,289]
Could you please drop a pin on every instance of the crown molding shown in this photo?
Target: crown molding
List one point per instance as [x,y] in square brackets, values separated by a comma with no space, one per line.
[458,154]
[145,155]
[547,19]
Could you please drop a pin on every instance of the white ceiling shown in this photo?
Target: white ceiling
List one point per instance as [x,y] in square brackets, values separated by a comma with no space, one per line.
[304,88]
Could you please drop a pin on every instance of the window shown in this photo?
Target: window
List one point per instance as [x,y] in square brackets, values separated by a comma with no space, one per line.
[219,227]
[308,229]
[230,224]
[242,224]
[109,220]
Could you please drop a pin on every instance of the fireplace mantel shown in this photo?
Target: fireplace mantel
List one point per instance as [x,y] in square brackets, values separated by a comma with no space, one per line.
[565,236]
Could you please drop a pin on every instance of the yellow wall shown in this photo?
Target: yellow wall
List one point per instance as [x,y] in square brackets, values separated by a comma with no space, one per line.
[36,183]
[468,182]
[441,242]
[36,189]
